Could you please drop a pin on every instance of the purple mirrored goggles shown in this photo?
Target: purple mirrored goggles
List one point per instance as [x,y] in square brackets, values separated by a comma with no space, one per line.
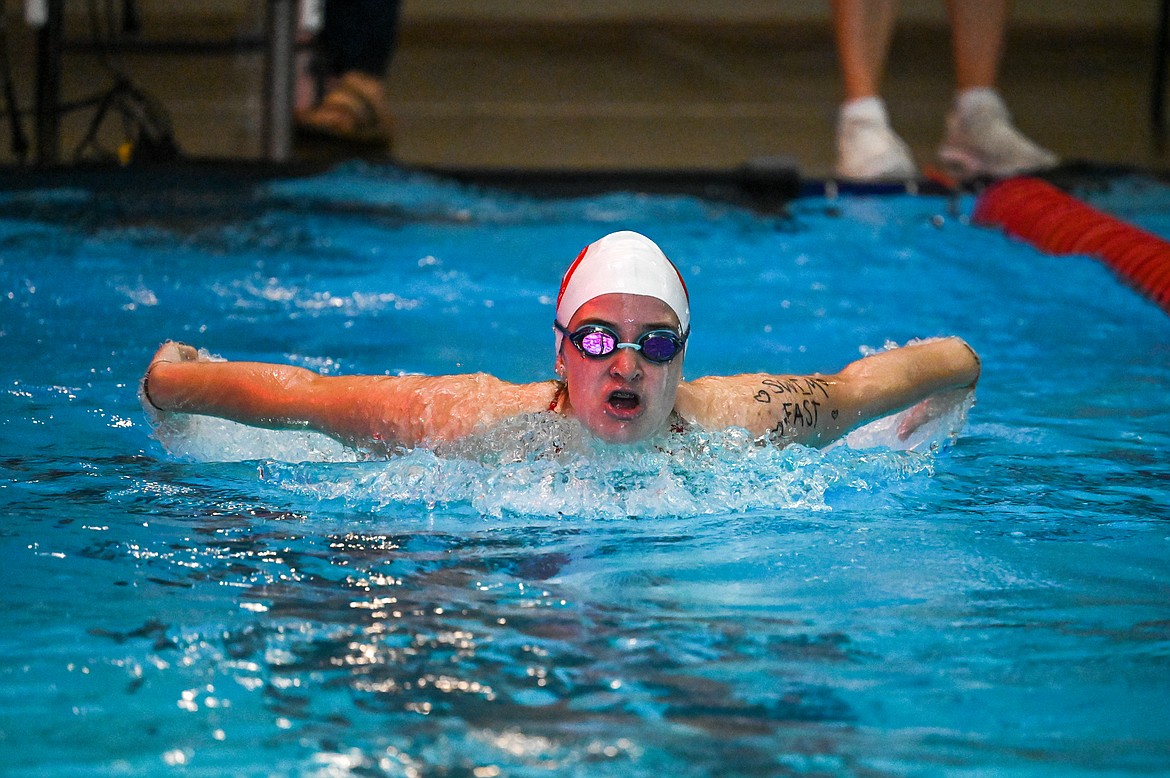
[596,341]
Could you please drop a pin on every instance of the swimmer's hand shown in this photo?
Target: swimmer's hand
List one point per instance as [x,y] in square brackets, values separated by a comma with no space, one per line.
[934,407]
[171,351]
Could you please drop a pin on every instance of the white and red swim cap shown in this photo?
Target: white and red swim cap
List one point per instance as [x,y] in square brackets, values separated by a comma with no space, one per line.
[622,263]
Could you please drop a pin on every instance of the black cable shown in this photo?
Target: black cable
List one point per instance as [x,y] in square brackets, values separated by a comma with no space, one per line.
[147,129]
[147,125]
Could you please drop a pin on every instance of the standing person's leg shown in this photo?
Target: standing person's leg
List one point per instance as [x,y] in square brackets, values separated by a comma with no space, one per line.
[981,139]
[863,29]
[356,42]
[977,32]
[867,147]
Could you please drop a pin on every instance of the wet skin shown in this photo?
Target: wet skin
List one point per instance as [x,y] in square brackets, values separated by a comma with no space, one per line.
[624,397]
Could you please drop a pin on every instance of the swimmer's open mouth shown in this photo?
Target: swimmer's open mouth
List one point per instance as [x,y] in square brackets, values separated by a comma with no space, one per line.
[624,401]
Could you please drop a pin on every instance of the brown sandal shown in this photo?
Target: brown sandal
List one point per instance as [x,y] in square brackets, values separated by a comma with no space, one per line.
[347,114]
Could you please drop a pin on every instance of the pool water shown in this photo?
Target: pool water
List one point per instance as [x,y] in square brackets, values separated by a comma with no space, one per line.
[990,602]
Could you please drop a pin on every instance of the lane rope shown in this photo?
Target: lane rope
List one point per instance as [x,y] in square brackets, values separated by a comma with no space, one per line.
[1055,222]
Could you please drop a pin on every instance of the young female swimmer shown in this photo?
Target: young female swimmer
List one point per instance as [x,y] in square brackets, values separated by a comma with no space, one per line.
[622,323]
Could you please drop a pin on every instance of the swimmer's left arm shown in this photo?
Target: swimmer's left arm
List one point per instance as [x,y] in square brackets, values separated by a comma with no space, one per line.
[818,409]
[897,379]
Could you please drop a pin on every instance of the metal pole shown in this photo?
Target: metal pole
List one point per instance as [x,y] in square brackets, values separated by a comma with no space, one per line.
[278,80]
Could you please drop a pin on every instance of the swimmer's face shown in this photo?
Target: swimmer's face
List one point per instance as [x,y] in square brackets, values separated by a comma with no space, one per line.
[624,397]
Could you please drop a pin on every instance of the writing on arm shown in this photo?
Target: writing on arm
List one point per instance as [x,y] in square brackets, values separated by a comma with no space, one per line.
[818,409]
[784,409]
[796,405]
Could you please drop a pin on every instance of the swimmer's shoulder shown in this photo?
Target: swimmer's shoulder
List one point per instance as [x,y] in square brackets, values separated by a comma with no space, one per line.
[714,402]
[488,399]
[720,388]
[748,400]
[414,410]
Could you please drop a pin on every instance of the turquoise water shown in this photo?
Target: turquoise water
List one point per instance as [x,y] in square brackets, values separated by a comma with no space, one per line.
[993,604]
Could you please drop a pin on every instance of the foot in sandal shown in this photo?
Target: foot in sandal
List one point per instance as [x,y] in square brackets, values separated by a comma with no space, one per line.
[353,110]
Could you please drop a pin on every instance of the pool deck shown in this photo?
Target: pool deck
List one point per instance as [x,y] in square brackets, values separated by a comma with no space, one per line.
[647,96]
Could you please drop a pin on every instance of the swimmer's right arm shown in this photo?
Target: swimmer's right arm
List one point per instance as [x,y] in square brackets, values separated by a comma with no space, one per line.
[380,411]
[259,394]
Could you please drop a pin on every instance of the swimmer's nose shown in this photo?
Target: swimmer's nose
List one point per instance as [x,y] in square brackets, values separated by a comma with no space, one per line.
[625,364]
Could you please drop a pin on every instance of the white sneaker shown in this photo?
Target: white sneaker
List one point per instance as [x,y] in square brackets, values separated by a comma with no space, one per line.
[868,149]
[982,141]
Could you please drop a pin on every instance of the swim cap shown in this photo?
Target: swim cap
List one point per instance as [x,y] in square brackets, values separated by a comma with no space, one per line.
[623,263]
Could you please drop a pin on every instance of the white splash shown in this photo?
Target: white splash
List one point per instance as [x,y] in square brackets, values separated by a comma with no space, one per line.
[544,465]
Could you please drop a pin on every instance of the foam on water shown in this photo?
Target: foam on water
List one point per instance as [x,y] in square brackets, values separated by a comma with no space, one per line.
[546,465]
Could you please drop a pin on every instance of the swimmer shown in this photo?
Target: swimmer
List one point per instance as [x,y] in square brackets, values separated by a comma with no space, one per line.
[621,330]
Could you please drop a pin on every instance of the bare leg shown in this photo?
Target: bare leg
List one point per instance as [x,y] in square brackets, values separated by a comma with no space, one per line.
[981,139]
[868,149]
[977,32]
[863,29]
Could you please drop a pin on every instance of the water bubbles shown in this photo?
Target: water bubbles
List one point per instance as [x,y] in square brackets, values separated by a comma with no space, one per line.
[545,465]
